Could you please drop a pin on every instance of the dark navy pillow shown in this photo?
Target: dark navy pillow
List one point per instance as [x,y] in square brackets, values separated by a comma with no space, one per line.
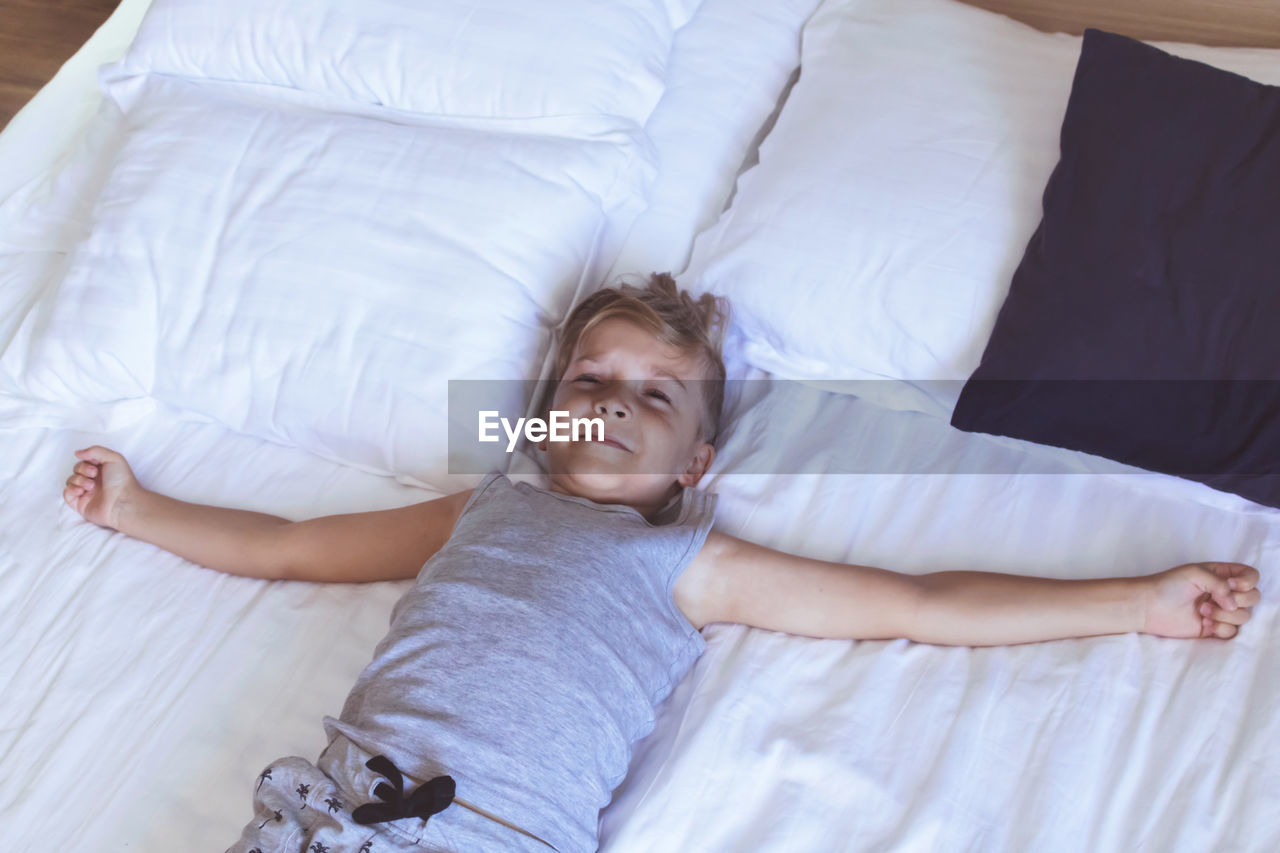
[1143,323]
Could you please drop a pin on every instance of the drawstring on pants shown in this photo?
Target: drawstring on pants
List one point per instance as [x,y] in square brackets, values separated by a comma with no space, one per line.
[431,797]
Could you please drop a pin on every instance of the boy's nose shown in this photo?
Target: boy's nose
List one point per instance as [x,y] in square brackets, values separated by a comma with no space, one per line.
[612,409]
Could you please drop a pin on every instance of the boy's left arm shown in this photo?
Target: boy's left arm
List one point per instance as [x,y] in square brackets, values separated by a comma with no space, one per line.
[739,581]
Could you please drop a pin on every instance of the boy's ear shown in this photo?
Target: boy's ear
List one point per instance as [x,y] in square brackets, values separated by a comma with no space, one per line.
[698,465]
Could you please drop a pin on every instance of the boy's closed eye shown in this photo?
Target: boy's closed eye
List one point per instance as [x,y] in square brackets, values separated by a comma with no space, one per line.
[653,392]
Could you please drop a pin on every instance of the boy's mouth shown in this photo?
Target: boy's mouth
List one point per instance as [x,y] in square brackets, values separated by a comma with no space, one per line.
[615,443]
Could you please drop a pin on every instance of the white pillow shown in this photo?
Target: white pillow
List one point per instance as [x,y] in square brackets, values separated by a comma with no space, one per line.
[895,196]
[728,67]
[472,58]
[316,278]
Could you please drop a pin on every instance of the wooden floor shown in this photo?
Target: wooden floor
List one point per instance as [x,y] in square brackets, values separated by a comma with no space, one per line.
[36,37]
[1252,23]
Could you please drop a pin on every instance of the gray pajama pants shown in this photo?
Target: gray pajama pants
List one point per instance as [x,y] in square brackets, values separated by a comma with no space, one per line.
[301,807]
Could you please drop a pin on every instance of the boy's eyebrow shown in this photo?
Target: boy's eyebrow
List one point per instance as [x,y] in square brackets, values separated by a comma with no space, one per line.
[665,373]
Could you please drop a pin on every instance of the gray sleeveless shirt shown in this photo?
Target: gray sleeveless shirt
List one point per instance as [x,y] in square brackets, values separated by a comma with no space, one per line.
[531,653]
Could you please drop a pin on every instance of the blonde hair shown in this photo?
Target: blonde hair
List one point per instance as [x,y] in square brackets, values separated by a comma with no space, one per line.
[676,318]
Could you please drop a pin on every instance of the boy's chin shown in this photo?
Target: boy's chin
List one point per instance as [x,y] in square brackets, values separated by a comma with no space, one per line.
[594,473]
[603,477]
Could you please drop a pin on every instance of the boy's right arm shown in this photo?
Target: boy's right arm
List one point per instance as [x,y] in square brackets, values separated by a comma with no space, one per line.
[387,544]
[365,546]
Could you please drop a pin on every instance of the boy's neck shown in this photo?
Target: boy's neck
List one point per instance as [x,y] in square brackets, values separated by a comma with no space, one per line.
[650,511]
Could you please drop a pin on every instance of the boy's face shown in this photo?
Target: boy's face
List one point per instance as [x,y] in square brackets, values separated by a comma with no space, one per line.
[650,399]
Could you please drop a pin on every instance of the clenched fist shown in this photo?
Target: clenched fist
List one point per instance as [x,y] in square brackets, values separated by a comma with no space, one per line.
[1200,600]
[100,485]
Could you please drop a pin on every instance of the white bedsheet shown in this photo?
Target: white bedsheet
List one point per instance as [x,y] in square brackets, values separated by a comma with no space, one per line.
[140,694]
[160,689]
[1114,743]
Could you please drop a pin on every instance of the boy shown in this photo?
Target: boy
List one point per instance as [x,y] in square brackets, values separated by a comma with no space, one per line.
[547,624]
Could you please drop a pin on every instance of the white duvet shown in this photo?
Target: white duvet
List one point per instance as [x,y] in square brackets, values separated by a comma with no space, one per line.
[140,694]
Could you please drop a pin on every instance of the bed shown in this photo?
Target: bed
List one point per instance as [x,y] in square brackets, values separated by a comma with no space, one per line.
[142,693]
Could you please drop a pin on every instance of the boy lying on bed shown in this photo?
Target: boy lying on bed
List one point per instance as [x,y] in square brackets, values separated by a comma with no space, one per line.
[546,625]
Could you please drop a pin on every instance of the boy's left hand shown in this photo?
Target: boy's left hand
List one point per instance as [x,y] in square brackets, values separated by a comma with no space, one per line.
[1196,600]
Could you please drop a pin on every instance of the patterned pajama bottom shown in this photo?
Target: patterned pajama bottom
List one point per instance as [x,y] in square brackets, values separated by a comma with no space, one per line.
[301,807]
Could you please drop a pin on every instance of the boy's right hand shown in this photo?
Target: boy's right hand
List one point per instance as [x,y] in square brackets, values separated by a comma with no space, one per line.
[100,485]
